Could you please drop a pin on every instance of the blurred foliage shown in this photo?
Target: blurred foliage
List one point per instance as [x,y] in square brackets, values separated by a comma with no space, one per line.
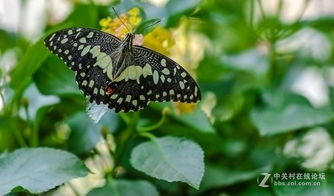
[250,120]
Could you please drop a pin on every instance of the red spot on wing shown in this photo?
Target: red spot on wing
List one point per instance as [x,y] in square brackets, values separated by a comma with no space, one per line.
[109,90]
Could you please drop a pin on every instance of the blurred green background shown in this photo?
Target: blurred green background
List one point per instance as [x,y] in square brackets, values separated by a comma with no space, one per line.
[265,69]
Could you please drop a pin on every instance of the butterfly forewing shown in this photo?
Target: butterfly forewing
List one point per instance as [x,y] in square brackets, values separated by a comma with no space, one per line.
[148,75]
[169,81]
[85,51]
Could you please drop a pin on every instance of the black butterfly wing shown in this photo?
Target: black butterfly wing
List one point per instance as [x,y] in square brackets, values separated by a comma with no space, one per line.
[163,80]
[73,46]
[86,51]
[169,81]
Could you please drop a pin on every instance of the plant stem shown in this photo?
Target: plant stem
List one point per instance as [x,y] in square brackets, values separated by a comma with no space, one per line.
[305,6]
[2,97]
[32,138]
[148,135]
[279,9]
[164,112]
[18,135]
[251,18]
[124,138]
[261,9]
[273,69]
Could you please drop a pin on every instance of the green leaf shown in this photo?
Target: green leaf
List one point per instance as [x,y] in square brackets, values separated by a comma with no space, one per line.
[147,25]
[173,10]
[85,133]
[288,112]
[28,64]
[253,61]
[90,11]
[125,188]
[36,101]
[197,120]
[216,177]
[10,128]
[38,169]
[176,6]
[7,40]
[171,159]
[55,78]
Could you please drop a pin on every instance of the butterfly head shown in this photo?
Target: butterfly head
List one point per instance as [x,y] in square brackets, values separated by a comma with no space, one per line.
[127,42]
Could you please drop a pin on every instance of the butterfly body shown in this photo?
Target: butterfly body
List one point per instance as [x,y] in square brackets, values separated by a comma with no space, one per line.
[124,76]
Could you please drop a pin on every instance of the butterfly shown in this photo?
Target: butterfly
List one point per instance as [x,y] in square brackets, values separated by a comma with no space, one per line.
[115,72]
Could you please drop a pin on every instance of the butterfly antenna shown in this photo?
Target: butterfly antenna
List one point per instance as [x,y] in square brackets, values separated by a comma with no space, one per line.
[121,19]
[153,24]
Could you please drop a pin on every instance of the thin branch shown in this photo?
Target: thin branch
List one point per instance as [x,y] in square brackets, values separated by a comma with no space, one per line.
[279,8]
[251,18]
[305,6]
[261,9]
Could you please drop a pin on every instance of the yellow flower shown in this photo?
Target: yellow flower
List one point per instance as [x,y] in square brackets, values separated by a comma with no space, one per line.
[104,22]
[122,25]
[134,11]
[184,108]
[159,39]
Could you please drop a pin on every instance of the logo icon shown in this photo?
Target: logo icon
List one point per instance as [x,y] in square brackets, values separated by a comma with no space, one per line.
[262,183]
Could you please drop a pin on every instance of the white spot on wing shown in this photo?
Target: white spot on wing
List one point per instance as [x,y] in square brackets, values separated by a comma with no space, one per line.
[82,40]
[90,35]
[128,98]
[165,71]
[63,41]
[52,37]
[119,101]
[101,92]
[91,83]
[85,50]
[155,77]
[141,97]
[163,62]
[162,77]
[181,85]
